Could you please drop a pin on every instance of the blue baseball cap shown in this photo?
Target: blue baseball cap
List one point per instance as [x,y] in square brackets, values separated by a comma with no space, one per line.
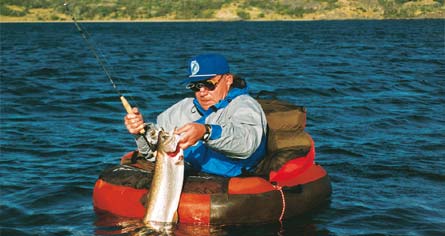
[206,66]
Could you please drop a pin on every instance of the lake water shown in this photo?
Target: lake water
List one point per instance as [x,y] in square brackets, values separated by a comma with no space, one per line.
[374,90]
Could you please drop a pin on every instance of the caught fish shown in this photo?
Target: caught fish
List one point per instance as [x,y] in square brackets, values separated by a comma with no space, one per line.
[166,186]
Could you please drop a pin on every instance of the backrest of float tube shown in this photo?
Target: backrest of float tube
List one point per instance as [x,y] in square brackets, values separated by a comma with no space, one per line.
[286,123]
[286,137]
[283,116]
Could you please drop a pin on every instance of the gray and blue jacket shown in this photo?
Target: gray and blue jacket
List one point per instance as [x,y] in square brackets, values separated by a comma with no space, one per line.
[238,137]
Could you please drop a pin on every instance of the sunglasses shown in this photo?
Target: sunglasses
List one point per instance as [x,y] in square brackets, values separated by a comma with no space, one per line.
[208,84]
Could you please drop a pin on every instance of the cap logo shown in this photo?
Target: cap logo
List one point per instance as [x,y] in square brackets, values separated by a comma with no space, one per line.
[194,67]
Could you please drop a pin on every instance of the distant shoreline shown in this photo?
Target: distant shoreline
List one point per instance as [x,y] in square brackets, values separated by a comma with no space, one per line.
[214,20]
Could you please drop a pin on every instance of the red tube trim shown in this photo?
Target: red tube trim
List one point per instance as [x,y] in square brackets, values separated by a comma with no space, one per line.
[294,167]
[312,174]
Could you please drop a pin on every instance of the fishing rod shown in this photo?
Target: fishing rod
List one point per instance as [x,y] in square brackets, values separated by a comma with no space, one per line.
[91,47]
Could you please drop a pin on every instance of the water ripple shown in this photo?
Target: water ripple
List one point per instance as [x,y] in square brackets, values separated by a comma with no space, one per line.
[373,92]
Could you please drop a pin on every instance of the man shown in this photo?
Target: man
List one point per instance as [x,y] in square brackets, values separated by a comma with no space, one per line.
[222,129]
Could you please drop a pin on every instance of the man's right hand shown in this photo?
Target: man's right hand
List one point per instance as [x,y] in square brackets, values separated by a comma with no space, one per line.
[134,121]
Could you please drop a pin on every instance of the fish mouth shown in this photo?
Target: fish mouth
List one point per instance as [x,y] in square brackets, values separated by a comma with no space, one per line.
[169,142]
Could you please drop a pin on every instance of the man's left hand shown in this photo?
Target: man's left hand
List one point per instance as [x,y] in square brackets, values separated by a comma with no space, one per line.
[190,134]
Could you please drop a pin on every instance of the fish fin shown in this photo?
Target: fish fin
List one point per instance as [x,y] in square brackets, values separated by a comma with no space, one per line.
[175,217]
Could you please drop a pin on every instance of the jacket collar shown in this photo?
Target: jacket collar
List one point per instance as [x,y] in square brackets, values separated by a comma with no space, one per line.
[233,93]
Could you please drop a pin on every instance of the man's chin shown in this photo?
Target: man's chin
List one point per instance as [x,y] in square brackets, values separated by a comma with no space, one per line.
[206,104]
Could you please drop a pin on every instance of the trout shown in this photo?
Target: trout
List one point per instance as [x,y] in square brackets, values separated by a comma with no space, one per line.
[166,185]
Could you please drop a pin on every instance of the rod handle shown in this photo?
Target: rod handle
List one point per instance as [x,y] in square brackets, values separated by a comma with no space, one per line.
[127,105]
[129,109]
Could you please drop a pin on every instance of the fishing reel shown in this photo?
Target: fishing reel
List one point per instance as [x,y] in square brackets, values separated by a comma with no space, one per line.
[151,135]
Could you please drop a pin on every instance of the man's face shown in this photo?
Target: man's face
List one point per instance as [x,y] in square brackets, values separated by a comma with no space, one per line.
[207,97]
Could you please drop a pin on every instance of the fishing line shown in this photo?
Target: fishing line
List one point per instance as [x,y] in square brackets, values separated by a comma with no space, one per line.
[85,35]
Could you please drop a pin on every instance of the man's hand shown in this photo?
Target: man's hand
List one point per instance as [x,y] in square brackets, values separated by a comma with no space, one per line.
[190,134]
[134,121]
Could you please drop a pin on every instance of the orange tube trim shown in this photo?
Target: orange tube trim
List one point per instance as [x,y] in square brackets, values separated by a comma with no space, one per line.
[119,200]
[249,185]
[194,208]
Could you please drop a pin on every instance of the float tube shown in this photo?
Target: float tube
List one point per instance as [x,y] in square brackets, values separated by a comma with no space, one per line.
[286,183]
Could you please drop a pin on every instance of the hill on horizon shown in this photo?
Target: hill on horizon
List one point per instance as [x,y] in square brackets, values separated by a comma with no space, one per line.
[221,10]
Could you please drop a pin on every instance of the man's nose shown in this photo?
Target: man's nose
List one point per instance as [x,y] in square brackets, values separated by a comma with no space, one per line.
[203,90]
